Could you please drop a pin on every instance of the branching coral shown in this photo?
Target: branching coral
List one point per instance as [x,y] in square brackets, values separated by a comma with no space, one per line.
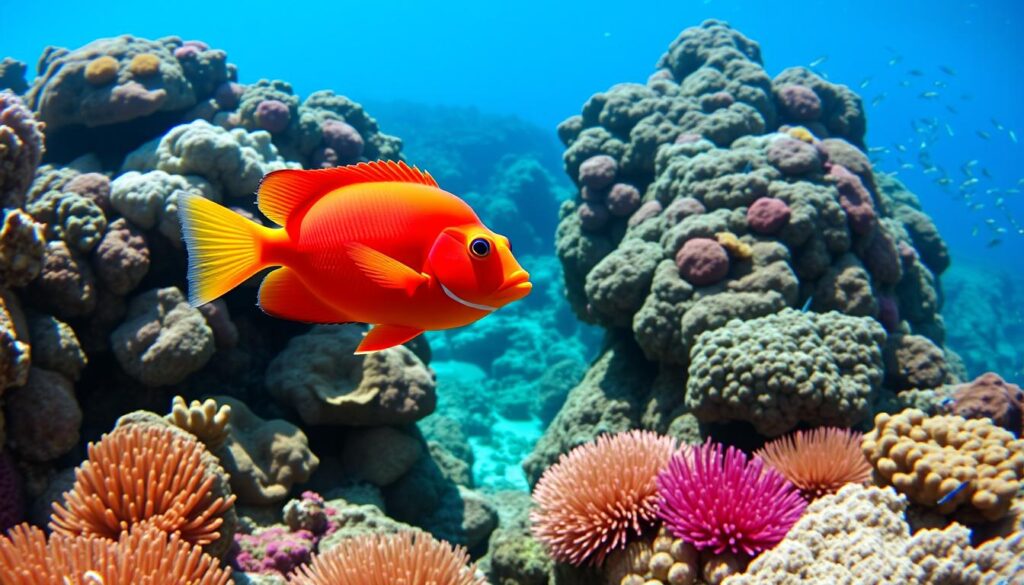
[144,556]
[143,475]
[205,420]
[599,495]
[385,559]
[820,461]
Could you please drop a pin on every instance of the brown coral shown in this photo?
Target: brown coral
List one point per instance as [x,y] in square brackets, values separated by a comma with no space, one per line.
[385,559]
[139,474]
[989,396]
[143,556]
[947,462]
[820,461]
[599,495]
[101,70]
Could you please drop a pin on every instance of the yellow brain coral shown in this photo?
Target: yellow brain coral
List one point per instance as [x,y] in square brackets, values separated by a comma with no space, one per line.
[801,133]
[101,70]
[144,65]
[947,462]
[143,475]
[144,556]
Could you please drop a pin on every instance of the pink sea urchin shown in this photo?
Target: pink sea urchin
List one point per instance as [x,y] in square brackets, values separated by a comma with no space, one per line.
[724,502]
[599,495]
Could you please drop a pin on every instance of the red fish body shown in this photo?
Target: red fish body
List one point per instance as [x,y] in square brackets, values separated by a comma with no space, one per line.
[375,243]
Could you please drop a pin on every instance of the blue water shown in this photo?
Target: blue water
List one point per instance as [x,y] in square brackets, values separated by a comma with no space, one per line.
[542,60]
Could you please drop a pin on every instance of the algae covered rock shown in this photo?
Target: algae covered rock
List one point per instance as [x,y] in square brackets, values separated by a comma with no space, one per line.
[319,375]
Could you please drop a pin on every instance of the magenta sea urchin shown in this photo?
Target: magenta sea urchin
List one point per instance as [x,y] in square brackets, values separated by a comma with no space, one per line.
[725,502]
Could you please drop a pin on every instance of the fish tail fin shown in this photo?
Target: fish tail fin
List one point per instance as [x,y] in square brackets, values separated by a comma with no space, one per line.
[224,248]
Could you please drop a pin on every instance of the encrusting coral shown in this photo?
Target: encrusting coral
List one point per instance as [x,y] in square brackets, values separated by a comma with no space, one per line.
[970,467]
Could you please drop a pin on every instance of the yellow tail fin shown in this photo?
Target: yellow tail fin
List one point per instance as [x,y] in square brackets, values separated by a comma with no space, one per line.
[224,248]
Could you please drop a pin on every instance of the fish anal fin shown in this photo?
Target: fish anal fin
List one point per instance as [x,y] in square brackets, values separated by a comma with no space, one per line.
[385,336]
[283,295]
[282,192]
[385,270]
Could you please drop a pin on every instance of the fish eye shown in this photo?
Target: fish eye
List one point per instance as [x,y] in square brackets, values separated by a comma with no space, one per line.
[480,247]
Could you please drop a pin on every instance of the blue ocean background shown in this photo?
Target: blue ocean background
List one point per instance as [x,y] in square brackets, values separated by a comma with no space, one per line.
[942,84]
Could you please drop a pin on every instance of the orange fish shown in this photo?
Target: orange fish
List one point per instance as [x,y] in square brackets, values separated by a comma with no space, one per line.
[376,243]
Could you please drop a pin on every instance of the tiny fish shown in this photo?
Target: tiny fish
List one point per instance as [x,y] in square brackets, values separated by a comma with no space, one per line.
[865,82]
[817,62]
[895,61]
[949,399]
[953,493]
[974,232]
[807,305]
[881,149]
[907,166]
[983,134]
[915,73]
[969,182]
[998,125]
[951,109]
[901,148]
[986,173]
[947,70]
[929,95]
[1000,202]
[376,243]
[878,99]
[748,167]
[944,181]
[904,83]
[940,84]
[993,243]
[949,130]
[1013,136]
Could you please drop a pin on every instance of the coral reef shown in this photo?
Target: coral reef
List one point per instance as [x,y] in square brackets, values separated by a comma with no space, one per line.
[818,462]
[21,149]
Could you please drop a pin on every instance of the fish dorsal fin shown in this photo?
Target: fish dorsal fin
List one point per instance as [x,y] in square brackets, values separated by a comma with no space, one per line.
[282,192]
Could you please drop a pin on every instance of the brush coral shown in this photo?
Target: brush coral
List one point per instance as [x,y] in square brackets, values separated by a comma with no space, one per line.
[820,461]
[386,559]
[718,500]
[143,556]
[599,495]
[143,474]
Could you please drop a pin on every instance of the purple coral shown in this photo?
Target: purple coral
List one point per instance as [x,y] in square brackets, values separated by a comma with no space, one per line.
[702,261]
[92,186]
[799,102]
[882,258]
[273,550]
[623,199]
[273,116]
[989,396]
[724,502]
[598,172]
[228,95]
[21,148]
[888,313]
[768,215]
[593,217]
[646,211]
[794,157]
[854,198]
[343,139]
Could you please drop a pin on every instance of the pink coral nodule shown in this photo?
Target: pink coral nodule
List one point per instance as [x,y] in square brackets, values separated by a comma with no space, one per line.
[718,500]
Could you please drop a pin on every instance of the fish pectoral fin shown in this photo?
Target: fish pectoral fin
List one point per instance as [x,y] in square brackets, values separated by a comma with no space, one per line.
[385,270]
[283,295]
[385,336]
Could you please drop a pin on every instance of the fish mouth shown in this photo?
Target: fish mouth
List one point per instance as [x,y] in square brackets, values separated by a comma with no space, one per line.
[518,280]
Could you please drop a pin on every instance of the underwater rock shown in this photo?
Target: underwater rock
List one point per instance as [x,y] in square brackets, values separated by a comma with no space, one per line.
[264,458]
[122,257]
[319,375]
[379,455]
[120,79]
[21,149]
[162,339]
[791,367]
[43,416]
[989,396]
[150,200]
[55,346]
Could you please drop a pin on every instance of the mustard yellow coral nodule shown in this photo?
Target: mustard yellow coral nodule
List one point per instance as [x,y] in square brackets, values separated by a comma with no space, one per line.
[144,65]
[205,420]
[801,133]
[971,467]
[101,70]
[732,244]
